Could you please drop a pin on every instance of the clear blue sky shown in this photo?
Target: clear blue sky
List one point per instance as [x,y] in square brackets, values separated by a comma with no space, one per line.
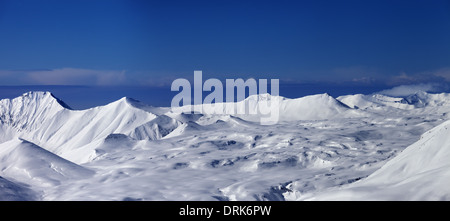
[147,42]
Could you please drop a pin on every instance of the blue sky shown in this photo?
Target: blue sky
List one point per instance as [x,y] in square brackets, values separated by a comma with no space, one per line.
[140,42]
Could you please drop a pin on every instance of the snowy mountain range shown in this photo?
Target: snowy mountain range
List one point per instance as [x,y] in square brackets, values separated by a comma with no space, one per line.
[350,147]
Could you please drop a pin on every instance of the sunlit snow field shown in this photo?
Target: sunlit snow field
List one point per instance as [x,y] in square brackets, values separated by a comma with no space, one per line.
[127,150]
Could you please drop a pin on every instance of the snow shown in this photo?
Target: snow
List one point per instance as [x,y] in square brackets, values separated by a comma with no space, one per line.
[375,101]
[39,117]
[354,147]
[13,191]
[29,163]
[253,108]
[420,172]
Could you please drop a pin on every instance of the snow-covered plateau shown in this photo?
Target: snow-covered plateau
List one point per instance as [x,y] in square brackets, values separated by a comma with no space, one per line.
[354,147]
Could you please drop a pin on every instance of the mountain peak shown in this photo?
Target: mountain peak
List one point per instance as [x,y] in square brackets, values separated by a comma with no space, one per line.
[126,102]
[33,106]
[36,95]
[44,95]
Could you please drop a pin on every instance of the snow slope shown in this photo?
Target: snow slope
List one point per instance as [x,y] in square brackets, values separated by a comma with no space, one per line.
[420,172]
[43,119]
[375,101]
[423,99]
[29,111]
[29,163]
[253,108]
[314,107]
[418,99]
[13,191]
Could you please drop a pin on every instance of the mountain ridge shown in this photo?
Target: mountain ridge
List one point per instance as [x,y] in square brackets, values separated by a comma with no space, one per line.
[136,150]
[41,118]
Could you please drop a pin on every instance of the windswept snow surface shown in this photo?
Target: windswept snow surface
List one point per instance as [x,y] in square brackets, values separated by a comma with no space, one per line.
[420,172]
[351,147]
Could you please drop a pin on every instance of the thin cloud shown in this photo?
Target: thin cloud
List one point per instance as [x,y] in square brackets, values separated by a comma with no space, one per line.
[444,73]
[440,75]
[72,76]
[405,90]
[63,76]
